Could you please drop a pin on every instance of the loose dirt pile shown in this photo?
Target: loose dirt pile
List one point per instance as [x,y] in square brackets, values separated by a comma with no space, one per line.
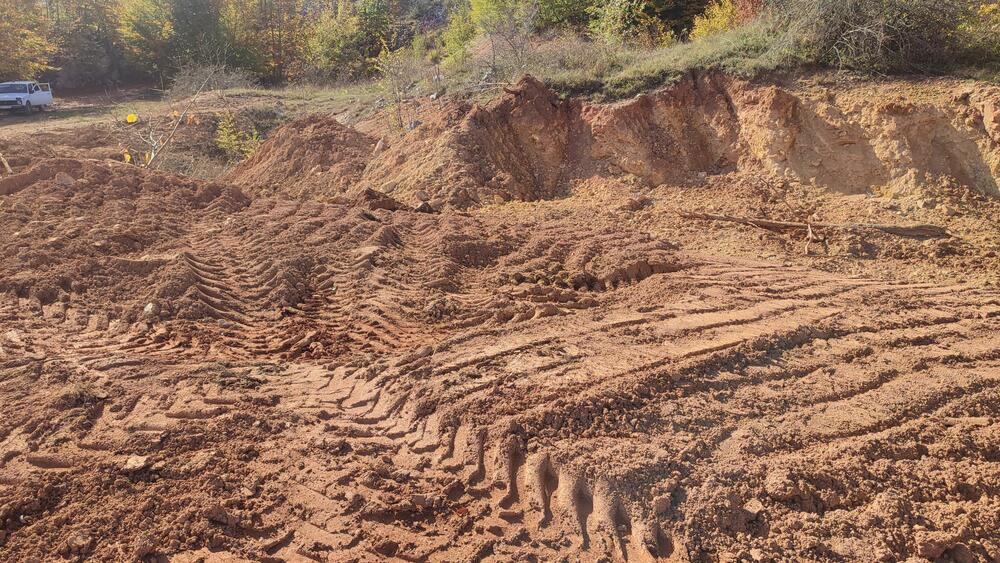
[292,365]
[529,145]
[308,158]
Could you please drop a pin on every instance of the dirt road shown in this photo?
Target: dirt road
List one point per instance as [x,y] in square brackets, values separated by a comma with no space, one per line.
[219,371]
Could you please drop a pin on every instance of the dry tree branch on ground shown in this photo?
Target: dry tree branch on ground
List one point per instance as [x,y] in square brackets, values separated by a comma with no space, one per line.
[152,136]
[914,231]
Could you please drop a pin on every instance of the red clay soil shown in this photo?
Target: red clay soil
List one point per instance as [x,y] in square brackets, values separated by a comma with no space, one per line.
[529,144]
[543,362]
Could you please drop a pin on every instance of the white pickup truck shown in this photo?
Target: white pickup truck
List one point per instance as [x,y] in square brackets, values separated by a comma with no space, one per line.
[25,96]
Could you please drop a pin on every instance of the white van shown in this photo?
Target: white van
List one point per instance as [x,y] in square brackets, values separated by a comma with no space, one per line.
[25,96]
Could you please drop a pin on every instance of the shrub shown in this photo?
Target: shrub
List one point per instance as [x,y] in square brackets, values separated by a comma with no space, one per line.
[397,72]
[982,29]
[236,143]
[885,36]
[191,78]
[574,64]
[508,26]
[721,15]
[564,12]
[457,36]
[626,22]
[749,9]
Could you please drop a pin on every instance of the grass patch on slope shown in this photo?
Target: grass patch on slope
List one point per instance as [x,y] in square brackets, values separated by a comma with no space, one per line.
[878,37]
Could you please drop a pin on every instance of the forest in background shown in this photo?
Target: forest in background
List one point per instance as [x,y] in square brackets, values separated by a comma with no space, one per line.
[107,43]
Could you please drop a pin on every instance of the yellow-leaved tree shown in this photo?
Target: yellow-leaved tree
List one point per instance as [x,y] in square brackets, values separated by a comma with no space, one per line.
[26,51]
[984,27]
[720,15]
[146,30]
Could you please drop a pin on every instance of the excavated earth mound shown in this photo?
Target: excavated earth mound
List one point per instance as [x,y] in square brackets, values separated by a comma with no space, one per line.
[307,158]
[529,145]
[301,366]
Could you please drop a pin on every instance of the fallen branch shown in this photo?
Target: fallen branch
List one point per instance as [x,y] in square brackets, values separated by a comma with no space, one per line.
[6,165]
[913,231]
[156,151]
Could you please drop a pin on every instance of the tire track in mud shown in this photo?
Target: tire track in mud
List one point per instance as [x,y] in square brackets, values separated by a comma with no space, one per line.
[521,482]
[451,387]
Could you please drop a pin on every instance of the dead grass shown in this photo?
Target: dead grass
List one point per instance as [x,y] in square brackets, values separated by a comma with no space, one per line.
[574,64]
[874,37]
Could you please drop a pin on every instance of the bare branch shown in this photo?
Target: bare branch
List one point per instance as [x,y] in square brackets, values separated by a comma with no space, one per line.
[912,231]
[162,148]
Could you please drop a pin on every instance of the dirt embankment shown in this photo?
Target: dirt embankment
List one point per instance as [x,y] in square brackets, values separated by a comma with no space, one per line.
[292,365]
[530,145]
[895,153]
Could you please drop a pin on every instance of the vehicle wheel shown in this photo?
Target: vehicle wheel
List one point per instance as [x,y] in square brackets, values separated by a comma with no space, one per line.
[28,108]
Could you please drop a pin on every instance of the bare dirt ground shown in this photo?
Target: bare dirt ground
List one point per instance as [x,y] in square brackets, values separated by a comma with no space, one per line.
[494,336]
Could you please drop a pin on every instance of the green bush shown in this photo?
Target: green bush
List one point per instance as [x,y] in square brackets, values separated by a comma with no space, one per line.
[457,36]
[721,15]
[574,13]
[627,22]
[236,143]
[982,30]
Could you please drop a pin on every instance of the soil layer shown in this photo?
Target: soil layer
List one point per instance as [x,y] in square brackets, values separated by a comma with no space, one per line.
[509,345]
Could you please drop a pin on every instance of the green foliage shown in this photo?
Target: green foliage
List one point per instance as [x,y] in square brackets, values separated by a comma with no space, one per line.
[146,30]
[879,36]
[396,69]
[428,47]
[268,37]
[198,31]
[104,42]
[982,28]
[25,49]
[331,43]
[236,143]
[885,36]
[88,46]
[488,14]
[375,25]
[574,13]
[720,15]
[459,33]
[627,22]
[343,43]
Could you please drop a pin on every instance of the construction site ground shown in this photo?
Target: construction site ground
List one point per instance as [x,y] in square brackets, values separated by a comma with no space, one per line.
[723,321]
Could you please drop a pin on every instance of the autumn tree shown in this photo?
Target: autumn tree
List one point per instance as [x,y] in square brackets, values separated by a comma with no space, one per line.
[346,42]
[26,50]
[331,46]
[375,27]
[147,29]
[197,30]
[282,27]
[89,48]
